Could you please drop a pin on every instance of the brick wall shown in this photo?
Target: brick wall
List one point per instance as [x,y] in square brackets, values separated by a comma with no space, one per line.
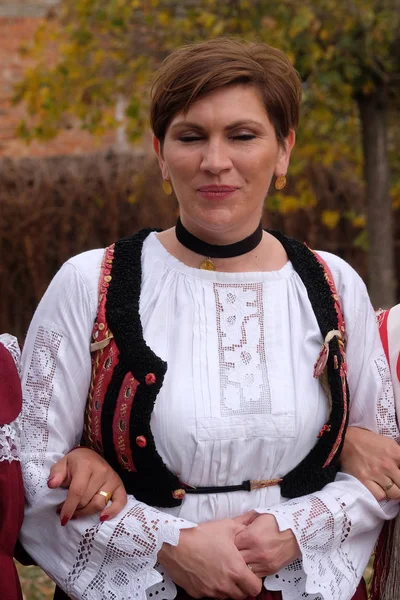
[18,22]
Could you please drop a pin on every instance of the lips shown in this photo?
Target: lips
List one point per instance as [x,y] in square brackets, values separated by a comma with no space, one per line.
[217,189]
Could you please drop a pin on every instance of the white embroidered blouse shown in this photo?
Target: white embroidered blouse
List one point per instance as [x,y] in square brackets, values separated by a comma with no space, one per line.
[10,432]
[239,401]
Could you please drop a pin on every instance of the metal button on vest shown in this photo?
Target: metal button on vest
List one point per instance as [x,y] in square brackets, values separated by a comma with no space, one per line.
[141,441]
[178,494]
[150,378]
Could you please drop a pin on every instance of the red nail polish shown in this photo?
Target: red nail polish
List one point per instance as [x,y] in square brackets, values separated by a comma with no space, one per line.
[104,518]
[64,521]
[49,481]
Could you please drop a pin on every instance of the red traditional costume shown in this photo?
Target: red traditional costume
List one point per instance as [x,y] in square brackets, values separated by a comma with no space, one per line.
[11,488]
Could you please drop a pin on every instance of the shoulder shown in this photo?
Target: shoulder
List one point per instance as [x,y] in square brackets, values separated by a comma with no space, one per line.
[353,295]
[346,279]
[87,265]
[72,293]
[79,274]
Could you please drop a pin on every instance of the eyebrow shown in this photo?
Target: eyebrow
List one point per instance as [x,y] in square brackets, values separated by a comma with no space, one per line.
[234,125]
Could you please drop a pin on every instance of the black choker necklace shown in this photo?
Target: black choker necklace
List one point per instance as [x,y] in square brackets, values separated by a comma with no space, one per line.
[197,245]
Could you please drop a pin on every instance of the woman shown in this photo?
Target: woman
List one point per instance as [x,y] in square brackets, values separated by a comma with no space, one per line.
[201,387]
[375,460]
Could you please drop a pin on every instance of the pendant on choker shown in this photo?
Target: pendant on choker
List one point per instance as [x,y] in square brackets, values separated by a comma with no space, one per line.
[207,265]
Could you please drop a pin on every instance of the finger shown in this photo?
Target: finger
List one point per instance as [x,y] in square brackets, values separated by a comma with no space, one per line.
[95,484]
[249,583]
[96,505]
[389,489]
[376,490]
[234,592]
[256,567]
[59,475]
[106,511]
[395,477]
[76,491]
[247,518]
[118,501]
[241,541]
[248,556]
[393,493]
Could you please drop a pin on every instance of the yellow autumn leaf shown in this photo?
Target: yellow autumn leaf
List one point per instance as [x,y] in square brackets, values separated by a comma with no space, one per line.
[358,221]
[163,18]
[289,204]
[330,218]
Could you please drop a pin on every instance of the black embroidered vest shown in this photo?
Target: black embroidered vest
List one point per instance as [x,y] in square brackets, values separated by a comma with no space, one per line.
[127,376]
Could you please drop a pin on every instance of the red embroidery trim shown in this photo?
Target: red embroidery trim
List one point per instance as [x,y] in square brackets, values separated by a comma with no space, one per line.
[343,367]
[383,331]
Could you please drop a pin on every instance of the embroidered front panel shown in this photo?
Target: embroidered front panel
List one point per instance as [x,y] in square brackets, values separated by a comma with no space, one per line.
[244,385]
[386,414]
[37,398]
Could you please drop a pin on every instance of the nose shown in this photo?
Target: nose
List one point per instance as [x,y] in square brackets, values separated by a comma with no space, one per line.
[215,157]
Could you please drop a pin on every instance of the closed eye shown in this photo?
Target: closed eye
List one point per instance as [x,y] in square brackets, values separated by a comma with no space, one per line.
[245,137]
[190,138]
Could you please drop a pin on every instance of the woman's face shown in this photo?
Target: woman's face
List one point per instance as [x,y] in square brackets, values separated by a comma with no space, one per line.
[220,158]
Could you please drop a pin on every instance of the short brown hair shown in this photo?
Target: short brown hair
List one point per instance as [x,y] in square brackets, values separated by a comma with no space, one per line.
[193,71]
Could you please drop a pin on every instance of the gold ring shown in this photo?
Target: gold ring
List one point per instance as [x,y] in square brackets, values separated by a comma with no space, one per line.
[248,565]
[107,495]
[388,486]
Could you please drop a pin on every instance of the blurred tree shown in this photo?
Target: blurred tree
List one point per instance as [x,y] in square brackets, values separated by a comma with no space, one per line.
[98,54]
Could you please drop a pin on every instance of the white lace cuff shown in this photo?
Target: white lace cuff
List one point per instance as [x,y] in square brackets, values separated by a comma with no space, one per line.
[120,561]
[336,532]
[11,343]
[10,434]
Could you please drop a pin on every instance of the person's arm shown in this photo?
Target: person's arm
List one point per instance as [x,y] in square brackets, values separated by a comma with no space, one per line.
[88,558]
[374,459]
[336,528]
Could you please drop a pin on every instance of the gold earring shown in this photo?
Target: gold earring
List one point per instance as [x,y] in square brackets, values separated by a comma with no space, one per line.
[280,182]
[167,187]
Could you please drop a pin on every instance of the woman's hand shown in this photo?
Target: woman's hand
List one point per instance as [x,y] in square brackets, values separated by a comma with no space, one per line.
[86,473]
[206,562]
[263,547]
[374,459]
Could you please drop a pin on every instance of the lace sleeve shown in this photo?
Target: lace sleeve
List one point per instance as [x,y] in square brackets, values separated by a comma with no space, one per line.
[10,433]
[11,343]
[126,566]
[337,528]
[88,559]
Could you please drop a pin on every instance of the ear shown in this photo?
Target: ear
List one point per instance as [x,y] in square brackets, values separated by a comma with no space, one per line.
[282,164]
[161,161]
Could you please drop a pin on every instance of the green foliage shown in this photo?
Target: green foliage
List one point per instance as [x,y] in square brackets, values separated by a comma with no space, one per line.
[100,50]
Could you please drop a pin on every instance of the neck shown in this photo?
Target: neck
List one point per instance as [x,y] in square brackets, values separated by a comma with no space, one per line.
[221,234]
[204,248]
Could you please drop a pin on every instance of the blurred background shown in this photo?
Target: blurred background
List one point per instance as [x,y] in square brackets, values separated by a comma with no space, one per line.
[76,164]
